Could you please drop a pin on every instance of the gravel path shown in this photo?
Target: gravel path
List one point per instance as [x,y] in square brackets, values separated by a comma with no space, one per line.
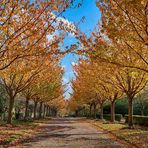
[71,133]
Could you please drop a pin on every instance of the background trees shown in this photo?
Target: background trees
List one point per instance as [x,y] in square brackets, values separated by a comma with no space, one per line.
[97,83]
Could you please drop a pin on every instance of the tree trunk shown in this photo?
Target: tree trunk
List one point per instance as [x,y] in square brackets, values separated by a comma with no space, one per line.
[4,117]
[40,110]
[101,113]
[11,104]
[47,109]
[55,113]
[26,108]
[113,111]
[130,112]
[76,113]
[44,111]
[35,108]
[94,111]
[90,109]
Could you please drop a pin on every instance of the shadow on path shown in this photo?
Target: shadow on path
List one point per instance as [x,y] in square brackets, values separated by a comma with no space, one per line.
[70,133]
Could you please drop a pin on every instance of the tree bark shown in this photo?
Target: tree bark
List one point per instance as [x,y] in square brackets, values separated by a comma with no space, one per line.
[90,109]
[47,109]
[101,113]
[40,110]
[44,111]
[11,104]
[26,108]
[55,113]
[76,113]
[94,111]
[113,111]
[35,108]
[130,112]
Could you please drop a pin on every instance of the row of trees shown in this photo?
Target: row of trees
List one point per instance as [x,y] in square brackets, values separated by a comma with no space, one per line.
[30,35]
[97,83]
[36,79]
[116,62]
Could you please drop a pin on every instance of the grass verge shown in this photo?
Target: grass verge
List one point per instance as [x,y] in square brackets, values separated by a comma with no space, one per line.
[138,136]
[18,131]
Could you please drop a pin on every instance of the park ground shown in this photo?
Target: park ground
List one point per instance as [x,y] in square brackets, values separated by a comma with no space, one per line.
[71,133]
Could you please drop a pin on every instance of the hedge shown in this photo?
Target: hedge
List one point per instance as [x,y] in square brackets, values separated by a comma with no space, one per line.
[137,119]
[118,117]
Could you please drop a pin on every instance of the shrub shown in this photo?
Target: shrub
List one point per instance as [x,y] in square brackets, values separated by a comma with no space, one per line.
[137,119]
[18,116]
[118,117]
[121,107]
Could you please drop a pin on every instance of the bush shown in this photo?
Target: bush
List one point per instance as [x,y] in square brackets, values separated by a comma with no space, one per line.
[118,117]
[121,107]
[137,119]
[18,116]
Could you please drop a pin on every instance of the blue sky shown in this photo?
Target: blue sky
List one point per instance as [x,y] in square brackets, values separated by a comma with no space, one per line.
[92,15]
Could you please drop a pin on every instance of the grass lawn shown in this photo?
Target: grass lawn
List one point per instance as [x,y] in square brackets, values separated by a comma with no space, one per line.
[18,131]
[137,136]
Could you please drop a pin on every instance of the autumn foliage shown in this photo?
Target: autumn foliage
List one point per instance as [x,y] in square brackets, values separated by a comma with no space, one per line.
[116,57]
[114,61]
[29,51]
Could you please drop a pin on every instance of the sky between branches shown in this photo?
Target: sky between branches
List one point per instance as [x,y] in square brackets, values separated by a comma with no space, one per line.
[92,16]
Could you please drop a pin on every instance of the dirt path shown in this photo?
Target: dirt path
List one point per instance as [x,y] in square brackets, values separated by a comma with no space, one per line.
[71,133]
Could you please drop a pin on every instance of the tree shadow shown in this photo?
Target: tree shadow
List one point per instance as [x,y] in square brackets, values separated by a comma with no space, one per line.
[61,130]
[57,132]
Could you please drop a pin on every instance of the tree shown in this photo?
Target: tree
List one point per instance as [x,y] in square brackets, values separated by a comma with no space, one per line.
[16,81]
[131,83]
[88,88]
[26,25]
[122,32]
[106,80]
[124,23]
[3,99]
[46,87]
[28,93]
